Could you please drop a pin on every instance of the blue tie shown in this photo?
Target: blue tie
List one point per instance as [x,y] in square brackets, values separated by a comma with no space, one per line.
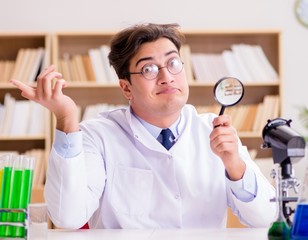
[167,138]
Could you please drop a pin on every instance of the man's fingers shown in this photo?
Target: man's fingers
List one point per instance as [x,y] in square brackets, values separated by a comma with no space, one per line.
[44,84]
[59,85]
[46,71]
[26,91]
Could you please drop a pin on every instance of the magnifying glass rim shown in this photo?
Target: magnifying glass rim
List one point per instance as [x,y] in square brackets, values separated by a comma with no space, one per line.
[216,85]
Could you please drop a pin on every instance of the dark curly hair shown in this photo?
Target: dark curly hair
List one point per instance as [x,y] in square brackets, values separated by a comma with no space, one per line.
[127,42]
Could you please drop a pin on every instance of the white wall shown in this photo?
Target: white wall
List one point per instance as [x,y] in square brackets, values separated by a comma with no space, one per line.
[59,15]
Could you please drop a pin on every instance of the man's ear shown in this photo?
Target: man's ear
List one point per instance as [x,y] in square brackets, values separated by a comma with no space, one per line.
[126,88]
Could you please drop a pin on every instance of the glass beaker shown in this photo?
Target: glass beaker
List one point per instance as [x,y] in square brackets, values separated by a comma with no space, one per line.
[299,229]
[279,230]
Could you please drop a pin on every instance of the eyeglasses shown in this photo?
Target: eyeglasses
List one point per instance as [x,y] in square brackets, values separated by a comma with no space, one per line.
[151,70]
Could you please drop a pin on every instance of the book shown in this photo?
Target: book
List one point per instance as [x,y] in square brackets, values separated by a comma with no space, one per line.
[242,63]
[267,66]
[88,67]
[98,65]
[253,64]
[28,64]
[218,67]
[64,68]
[8,70]
[17,72]
[38,57]
[9,104]
[47,55]
[109,70]
[231,64]
[75,77]
[200,72]
[20,118]
[258,119]
[79,67]
[250,115]
[185,54]
[37,119]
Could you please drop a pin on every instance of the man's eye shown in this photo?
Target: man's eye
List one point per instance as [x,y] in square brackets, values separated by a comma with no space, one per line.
[149,68]
[174,63]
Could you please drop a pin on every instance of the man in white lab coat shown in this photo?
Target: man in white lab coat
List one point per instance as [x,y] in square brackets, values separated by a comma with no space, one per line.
[114,172]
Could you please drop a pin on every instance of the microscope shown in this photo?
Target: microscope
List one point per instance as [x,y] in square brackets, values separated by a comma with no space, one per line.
[287,148]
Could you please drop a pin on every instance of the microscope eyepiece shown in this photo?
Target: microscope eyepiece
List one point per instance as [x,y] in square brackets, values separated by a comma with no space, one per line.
[284,141]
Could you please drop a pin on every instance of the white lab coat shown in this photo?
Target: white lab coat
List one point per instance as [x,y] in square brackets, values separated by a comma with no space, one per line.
[124,178]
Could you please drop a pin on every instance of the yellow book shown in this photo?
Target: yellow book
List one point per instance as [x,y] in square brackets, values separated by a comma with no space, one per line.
[88,67]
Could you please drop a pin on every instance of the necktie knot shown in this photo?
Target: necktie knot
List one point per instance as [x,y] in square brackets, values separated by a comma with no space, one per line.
[167,137]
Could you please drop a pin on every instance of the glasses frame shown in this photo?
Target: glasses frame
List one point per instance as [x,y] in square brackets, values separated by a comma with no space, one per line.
[158,68]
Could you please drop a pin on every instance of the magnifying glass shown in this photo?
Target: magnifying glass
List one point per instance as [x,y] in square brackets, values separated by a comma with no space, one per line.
[228,91]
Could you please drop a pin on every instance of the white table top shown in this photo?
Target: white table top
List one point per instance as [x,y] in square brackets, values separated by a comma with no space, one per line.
[155,234]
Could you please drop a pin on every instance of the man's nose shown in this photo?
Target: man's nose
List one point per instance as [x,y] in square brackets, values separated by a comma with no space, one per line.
[164,76]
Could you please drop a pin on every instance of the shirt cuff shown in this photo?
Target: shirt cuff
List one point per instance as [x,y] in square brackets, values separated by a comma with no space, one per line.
[68,145]
[245,189]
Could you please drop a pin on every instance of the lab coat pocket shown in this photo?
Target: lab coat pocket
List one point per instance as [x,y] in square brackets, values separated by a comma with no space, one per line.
[131,190]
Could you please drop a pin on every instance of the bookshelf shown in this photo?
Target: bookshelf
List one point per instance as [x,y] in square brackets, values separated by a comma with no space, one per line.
[201,92]
[88,92]
[27,142]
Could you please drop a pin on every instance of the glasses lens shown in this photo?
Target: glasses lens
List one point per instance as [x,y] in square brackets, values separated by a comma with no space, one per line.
[150,71]
[175,65]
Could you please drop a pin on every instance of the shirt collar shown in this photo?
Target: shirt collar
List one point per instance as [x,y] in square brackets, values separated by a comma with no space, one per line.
[155,131]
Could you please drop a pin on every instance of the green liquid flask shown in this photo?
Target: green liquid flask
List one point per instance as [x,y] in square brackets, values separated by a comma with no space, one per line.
[279,230]
[25,193]
[300,222]
[16,191]
[5,231]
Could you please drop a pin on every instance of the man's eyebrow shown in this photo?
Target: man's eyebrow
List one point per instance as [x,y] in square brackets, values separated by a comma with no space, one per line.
[143,59]
[151,58]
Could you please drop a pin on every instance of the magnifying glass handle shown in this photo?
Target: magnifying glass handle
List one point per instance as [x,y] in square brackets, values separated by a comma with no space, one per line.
[222,110]
[220,113]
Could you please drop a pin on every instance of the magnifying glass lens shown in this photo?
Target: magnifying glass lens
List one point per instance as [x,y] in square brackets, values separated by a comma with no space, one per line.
[228,91]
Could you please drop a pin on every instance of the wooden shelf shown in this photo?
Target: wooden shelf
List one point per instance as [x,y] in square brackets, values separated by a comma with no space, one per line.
[10,44]
[200,41]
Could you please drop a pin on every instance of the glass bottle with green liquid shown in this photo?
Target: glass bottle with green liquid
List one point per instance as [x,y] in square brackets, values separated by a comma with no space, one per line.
[22,199]
[299,230]
[15,190]
[5,231]
[16,193]
[279,230]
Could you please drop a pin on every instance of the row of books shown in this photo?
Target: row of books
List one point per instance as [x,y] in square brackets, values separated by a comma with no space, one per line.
[93,66]
[246,62]
[249,117]
[21,118]
[39,164]
[92,111]
[245,118]
[25,67]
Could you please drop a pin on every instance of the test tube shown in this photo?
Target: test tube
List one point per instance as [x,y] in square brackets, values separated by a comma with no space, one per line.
[16,191]
[5,231]
[25,192]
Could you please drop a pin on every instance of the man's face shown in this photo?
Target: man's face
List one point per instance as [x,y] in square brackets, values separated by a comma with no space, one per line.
[163,96]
